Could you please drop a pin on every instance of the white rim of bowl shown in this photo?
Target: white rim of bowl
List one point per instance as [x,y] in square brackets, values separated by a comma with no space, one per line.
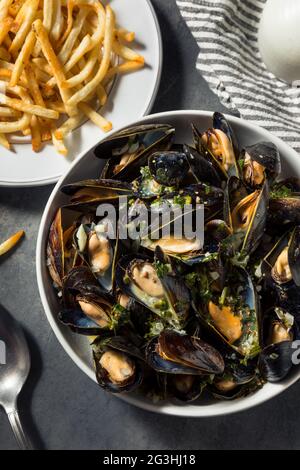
[170,409]
[47,181]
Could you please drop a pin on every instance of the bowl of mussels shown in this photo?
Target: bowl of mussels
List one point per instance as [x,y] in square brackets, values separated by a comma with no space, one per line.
[197,325]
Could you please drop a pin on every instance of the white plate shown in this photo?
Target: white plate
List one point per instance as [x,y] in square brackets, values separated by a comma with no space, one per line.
[77,346]
[132,96]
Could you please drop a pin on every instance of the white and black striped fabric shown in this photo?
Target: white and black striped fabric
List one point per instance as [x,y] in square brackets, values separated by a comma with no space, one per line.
[226,32]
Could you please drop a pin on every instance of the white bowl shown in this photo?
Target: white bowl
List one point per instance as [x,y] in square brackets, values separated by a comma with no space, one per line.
[77,346]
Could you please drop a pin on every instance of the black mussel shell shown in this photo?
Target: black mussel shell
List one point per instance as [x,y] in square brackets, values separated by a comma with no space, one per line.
[284,211]
[275,361]
[235,194]
[202,169]
[168,168]
[92,192]
[55,250]
[187,351]
[186,388]
[80,280]
[130,353]
[220,122]
[267,155]
[136,143]
[79,322]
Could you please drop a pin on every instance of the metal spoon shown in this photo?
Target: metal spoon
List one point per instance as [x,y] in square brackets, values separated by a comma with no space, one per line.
[14,370]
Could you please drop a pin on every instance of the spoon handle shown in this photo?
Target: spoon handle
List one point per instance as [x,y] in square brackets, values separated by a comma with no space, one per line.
[23,441]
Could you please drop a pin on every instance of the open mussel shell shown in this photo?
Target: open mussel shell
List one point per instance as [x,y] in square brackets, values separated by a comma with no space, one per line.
[55,250]
[282,263]
[202,169]
[185,388]
[82,324]
[245,213]
[260,161]
[233,314]
[219,146]
[89,194]
[129,150]
[87,308]
[162,293]
[118,364]
[279,331]
[175,353]
[238,379]
[98,246]
[168,168]
[61,255]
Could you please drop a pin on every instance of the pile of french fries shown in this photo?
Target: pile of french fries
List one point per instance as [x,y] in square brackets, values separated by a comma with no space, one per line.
[57,59]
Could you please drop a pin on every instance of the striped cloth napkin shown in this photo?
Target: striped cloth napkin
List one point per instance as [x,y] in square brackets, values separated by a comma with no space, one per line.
[226,32]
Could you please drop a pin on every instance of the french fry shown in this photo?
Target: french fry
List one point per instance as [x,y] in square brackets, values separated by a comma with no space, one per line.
[11,242]
[36,134]
[15,7]
[124,35]
[20,105]
[126,67]
[4,142]
[57,23]
[33,86]
[85,72]
[68,126]
[102,95]
[54,63]
[5,28]
[127,53]
[4,54]
[59,145]
[68,46]
[8,112]
[48,14]
[57,106]
[96,118]
[82,94]
[23,58]
[25,26]
[43,65]
[70,6]
[4,8]
[56,58]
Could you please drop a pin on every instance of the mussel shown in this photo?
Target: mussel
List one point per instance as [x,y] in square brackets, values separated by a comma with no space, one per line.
[88,194]
[55,250]
[118,364]
[281,268]
[246,213]
[219,145]
[61,255]
[129,150]
[279,330]
[237,380]
[233,314]
[98,245]
[186,388]
[168,168]
[175,353]
[202,169]
[154,285]
[260,162]
[87,308]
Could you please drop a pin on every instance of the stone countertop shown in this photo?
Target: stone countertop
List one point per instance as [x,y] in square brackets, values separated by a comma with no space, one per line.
[60,406]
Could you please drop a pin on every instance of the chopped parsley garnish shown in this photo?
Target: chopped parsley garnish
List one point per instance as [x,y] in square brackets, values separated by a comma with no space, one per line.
[281,192]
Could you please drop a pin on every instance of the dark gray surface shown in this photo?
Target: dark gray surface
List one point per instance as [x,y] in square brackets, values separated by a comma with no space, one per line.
[61,407]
